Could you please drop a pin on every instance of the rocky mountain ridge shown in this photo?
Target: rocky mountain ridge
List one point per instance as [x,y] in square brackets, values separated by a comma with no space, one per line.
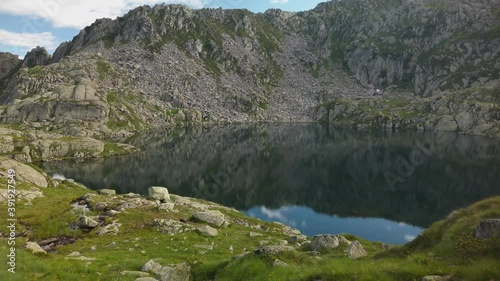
[171,65]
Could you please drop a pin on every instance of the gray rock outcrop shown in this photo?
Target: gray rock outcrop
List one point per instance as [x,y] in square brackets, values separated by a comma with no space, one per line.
[488,229]
[355,250]
[159,193]
[326,242]
[212,217]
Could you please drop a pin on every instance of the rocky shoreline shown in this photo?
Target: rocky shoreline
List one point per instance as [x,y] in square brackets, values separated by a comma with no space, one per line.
[94,227]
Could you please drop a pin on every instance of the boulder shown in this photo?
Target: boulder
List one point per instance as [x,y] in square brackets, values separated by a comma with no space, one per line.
[208,231]
[175,272]
[215,218]
[159,193]
[34,248]
[24,173]
[324,242]
[355,250]
[166,207]
[344,240]
[487,229]
[110,229]
[106,192]
[152,266]
[86,222]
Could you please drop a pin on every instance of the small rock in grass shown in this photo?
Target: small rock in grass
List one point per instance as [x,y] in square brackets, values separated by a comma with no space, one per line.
[273,250]
[152,266]
[279,263]
[355,250]
[35,248]
[135,273]
[86,222]
[166,207]
[212,217]
[208,231]
[106,191]
[146,279]
[175,272]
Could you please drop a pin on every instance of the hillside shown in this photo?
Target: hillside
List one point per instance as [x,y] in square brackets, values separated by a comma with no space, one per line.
[430,65]
[67,232]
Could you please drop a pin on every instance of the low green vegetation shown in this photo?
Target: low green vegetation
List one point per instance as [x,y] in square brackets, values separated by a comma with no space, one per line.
[103,69]
[446,248]
[37,71]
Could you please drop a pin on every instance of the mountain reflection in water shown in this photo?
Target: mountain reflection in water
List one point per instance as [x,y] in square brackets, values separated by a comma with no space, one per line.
[379,185]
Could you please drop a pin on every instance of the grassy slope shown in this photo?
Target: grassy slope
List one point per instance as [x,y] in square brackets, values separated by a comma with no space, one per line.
[447,247]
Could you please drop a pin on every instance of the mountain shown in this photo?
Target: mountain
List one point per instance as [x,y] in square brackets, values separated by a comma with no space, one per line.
[416,64]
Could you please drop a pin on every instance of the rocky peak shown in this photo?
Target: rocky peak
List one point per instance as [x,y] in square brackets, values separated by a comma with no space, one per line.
[37,56]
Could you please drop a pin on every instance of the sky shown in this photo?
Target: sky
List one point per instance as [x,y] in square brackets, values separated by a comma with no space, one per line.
[25,24]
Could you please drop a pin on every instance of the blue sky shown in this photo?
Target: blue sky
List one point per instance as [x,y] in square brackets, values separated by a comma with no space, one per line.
[25,24]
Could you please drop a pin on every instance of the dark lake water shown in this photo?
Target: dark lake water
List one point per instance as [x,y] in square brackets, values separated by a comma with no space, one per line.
[380,185]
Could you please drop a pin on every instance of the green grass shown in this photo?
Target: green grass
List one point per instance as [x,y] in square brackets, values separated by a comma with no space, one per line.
[445,248]
[103,69]
[37,71]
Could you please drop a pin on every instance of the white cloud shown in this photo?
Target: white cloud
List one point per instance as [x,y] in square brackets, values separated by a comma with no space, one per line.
[26,40]
[273,214]
[279,1]
[80,13]
[409,237]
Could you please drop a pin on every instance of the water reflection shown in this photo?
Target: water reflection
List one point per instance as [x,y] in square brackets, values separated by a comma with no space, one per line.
[411,177]
[310,223]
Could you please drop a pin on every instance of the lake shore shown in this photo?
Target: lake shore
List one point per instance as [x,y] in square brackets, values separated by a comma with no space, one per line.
[105,235]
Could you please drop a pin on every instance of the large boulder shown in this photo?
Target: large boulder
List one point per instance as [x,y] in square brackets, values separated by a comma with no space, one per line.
[324,242]
[24,173]
[159,193]
[175,272]
[488,229]
[212,217]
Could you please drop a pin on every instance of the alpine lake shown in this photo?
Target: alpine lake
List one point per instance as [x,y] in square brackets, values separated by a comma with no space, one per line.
[380,185]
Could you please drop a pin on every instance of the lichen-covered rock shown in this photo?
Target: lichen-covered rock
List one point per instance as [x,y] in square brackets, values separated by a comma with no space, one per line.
[212,217]
[324,242]
[107,191]
[23,172]
[208,231]
[152,266]
[488,229]
[159,193]
[355,250]
[34,248]
[86,222]
[175,272]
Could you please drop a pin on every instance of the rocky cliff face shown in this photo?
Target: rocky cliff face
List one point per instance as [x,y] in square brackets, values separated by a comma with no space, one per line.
[426,46]
[170,65]
[8,65]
